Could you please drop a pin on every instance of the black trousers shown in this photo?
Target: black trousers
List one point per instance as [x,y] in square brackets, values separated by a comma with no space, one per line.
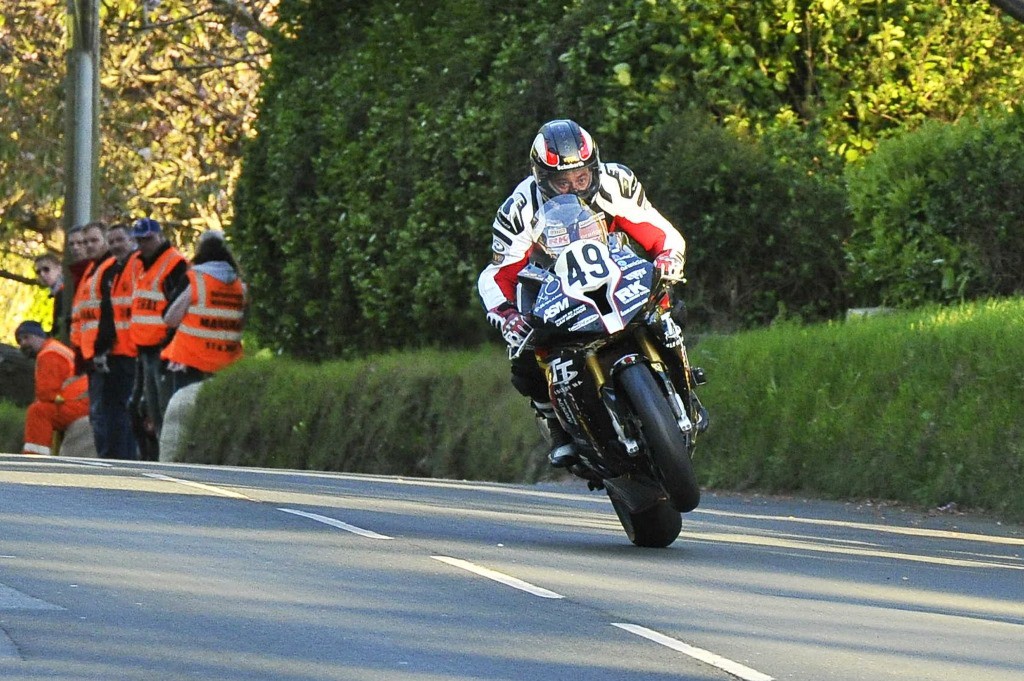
[528,378]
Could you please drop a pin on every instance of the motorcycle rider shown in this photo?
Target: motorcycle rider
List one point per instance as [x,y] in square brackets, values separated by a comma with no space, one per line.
[564,159]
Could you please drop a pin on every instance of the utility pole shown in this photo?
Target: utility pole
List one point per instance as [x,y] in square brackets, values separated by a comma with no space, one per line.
[81,125]
[82,121]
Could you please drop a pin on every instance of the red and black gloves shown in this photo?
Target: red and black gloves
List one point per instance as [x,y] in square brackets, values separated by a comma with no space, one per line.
[513,326]
[670,263]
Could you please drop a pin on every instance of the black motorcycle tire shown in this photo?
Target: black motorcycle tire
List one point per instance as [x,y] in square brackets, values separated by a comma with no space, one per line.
[669,448]
[655,527]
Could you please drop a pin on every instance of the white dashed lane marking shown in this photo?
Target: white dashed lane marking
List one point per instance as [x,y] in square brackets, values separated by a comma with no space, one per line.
[370,534]
[498,577]
[735,668]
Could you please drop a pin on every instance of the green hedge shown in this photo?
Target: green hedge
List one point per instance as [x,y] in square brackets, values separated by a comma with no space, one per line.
[939,214]
[426,414]
[765,233]
[921,407]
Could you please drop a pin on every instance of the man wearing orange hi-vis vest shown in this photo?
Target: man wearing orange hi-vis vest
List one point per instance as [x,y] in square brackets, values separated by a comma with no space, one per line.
[159,276]
[209,315]
[85,309]
[108,349]
[61,397]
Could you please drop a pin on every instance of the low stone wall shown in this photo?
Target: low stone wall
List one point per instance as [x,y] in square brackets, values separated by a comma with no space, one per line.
[172,433]
[17,376]
[78,441]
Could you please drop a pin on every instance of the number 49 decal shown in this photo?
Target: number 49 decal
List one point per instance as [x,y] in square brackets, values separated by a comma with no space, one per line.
[584,266]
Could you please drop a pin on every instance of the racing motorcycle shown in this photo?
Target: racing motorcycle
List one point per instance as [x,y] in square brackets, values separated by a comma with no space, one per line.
[618,375]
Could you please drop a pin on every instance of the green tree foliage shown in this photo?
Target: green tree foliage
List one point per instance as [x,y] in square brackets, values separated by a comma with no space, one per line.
[178,82]
[940,214]
[765,233]
[366,203]
[859,69]
[177,86]
[391,131]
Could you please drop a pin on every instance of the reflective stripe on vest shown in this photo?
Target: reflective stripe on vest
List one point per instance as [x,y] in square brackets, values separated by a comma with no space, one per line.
[75,388]
[58,348]
[77,303]
[121,300]
[89,311]
[148,302]
[210,335]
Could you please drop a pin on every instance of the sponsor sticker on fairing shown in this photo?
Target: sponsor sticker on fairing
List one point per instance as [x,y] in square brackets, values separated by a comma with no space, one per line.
[562,371]
[552,310]
[575,312]
[632,292]
[586,321]
[634,275]
[558,241]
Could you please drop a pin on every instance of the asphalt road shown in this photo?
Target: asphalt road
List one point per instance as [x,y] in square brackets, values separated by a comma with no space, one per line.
[147,571]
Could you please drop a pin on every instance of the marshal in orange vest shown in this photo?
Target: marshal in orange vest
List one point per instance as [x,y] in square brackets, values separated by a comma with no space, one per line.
[209,337]
[148,302]
[83,307]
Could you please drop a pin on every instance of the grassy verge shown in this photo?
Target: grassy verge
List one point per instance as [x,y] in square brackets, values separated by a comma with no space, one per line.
[12,427]
[922,407]
[425,413]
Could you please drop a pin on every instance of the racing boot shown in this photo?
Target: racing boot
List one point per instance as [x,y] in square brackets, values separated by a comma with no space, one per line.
[563,449]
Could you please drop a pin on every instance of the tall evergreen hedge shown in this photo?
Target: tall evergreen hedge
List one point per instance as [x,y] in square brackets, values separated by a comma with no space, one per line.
[391,131]
[940,214]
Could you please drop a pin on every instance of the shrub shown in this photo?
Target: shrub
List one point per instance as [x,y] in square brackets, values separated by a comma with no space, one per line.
[12,427]
[424,413]
[765,235]
[919,406]
[939,214]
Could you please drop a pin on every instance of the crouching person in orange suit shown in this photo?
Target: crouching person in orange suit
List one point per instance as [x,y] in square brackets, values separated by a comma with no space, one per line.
[61,397]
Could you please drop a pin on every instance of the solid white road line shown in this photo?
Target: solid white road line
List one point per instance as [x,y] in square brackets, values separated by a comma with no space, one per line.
[728,666]
[498,577]
[336,523]
[198,485]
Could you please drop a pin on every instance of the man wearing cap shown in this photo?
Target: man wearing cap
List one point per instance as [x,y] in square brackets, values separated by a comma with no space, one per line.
[61,397]
[161,274]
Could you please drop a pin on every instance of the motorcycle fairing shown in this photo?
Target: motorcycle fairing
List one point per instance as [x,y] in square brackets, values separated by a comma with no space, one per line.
[593,288]
[571,380]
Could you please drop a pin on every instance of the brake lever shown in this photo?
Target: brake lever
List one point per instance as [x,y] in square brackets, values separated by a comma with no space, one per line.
[514,352]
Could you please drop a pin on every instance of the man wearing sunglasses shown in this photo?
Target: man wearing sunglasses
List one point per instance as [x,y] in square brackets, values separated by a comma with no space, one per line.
[51,275]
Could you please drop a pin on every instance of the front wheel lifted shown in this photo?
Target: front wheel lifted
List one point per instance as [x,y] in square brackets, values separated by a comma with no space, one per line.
[668,447]
[655,527]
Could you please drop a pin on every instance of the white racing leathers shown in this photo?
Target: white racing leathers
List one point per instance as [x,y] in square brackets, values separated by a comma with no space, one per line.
[625,206]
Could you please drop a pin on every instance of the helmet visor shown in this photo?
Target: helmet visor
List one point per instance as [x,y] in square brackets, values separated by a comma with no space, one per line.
[575,181]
